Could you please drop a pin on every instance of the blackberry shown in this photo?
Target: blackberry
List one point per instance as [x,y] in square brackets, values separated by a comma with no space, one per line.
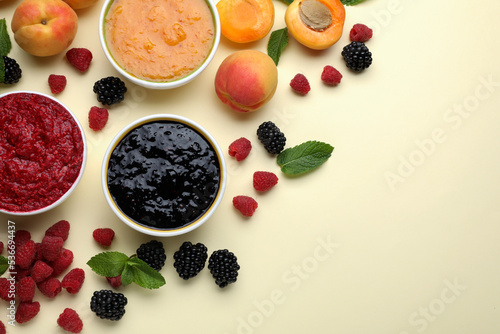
[190,259]
[110,90]
[108,304]
[12,71]
[224,267]
[357,56]
[271,137]
[153,254]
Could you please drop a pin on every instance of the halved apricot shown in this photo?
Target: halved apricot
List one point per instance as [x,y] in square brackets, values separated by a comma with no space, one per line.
[317,24]
[244,21]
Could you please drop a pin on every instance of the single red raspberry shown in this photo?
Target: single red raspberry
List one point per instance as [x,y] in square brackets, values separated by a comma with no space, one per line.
[7,289]
[331,76]
[50,287]
[21,236]
[360,33]
[1,247]
[41,271]
[98,117]
[245,204]
[115,282]
[263,181]
[300,84]
[25,289]
[2,328]
[25,254]
[51,247]
[80,58]
[62,262]
[57,83]
[240,148]
[73,280]
[103,236]
[59,229]
[27,311]
[70,321]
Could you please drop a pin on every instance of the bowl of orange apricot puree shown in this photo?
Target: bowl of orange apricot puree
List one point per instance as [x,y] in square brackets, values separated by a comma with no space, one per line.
[159,44]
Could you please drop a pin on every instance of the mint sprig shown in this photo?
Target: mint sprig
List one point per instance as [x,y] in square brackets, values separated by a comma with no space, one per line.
[4,265]
[5,43]
[131,269]
[351,2]
[277,42]
[304,157]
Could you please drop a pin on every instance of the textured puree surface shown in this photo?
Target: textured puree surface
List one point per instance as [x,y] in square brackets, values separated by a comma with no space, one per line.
[160,40]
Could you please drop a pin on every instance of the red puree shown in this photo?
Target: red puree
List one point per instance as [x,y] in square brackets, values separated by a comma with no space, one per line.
[41,151]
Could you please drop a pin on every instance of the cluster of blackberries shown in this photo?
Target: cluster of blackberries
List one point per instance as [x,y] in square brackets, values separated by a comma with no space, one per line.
[223,266]
[190,259]
[110,90]
[12,72]
[271,137]
[357,56]
[153,253]
[108,304]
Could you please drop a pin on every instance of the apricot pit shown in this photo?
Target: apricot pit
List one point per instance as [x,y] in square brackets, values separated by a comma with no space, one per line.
[317,24]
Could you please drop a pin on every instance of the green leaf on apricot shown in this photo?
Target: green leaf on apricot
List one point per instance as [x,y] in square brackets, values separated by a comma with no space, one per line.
[304,157]
[277,42]
[351,2]
[5,44]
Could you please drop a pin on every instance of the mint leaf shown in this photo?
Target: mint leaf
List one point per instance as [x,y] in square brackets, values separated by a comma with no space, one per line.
[277,42]
[4,264]
[108,264]
[351,2]
[5,44]
[139,272]
[304,157]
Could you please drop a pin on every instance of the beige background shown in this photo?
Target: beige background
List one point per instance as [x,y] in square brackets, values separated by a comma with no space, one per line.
[396,234]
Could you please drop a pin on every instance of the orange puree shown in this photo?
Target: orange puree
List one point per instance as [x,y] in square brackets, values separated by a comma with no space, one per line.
[159,40]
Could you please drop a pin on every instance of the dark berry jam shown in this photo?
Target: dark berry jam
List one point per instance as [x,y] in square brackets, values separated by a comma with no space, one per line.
[41,151]
[163,174]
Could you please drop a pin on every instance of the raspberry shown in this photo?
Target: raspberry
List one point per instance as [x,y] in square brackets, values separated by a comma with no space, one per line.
[263,181]
[62,262]
[223,266]
[300,84]
[51,287]
[27,311]
[70,321]
[21,237]
[57,83]
[98,117]
[1,247]
[41,271]
[19,273]
[153,253]
[59,229]
[25,289]
[51,247]
[2,328]
[7,291]
[245,204]
[25,254]
[39,255]
[103,236]
[73,280]
[80,58]
[360,33]
[240,148]
[115,282]
[330,75]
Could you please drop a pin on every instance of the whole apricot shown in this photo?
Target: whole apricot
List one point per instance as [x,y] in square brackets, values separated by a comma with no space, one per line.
[317,24]
[246,80]
[244,21]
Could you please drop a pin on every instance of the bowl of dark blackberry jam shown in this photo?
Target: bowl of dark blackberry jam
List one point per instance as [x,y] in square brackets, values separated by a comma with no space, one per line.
[164,175]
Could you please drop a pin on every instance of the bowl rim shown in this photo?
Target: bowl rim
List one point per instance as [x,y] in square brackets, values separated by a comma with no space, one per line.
[175,231]
[82,167]
[153,84]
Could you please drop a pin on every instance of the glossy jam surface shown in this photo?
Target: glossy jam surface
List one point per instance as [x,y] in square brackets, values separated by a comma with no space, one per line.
[163,174]
[159,40]
[41,151]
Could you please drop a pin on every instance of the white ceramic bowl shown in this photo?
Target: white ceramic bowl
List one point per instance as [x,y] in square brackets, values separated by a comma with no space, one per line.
[152,84]
[82,167]
[188,226]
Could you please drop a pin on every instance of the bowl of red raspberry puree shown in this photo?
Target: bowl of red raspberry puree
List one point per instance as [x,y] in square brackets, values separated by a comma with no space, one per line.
[42,153]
